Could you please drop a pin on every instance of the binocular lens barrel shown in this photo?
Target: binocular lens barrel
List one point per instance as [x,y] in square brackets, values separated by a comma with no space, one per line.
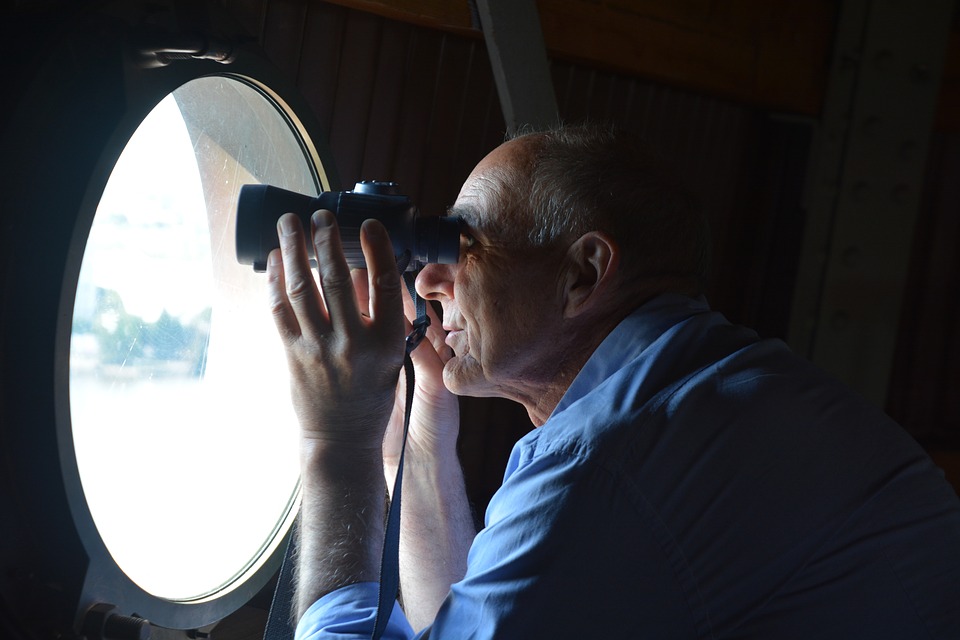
[425,239]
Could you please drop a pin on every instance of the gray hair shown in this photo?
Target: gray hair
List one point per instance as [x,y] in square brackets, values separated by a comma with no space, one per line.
[590,177]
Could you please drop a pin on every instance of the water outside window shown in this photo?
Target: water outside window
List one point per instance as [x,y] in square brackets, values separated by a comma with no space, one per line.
[183,431]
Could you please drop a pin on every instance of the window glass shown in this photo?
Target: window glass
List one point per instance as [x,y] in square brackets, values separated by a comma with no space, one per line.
[182,425]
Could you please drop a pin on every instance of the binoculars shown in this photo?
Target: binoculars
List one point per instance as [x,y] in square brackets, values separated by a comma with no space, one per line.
[417,240]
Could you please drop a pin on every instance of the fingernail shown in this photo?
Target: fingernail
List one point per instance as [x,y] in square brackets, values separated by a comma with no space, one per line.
[322,218]
[287,226]
[374,230]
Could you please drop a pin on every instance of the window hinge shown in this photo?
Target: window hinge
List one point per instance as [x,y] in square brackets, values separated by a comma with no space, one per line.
[102,622]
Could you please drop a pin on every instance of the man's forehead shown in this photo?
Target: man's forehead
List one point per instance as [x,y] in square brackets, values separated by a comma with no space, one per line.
[489,195]
[489,210]
[481,198]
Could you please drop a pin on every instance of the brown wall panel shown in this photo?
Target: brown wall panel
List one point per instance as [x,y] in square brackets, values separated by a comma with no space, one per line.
[419,106]
[483,127]
[440,180]
[282,35]
[384,124]
[318,74]
[353,97]
[924,393]
[416,105]
[764,53]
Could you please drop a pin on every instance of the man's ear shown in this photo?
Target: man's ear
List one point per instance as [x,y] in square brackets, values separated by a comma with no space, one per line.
[592,264]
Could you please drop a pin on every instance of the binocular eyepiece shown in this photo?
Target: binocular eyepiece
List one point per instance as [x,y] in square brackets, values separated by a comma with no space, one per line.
[416,239]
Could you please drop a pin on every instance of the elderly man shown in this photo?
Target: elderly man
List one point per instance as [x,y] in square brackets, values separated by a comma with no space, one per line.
[687,479]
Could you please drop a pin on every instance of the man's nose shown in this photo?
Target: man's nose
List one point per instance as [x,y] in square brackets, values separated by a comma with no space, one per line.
[435,281]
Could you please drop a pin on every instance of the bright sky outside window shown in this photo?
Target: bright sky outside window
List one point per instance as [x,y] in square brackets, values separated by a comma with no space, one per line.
[183,432]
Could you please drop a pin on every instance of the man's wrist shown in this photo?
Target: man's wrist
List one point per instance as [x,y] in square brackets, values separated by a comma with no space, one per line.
[341,533]
[318,456]
[436,461]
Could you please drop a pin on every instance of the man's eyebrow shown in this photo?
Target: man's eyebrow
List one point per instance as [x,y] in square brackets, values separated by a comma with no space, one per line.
[467,214]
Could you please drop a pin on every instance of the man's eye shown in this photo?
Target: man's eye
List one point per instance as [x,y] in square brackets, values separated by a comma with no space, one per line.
[467,240]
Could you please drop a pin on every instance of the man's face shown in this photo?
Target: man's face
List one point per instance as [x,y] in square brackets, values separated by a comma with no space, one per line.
[502,300]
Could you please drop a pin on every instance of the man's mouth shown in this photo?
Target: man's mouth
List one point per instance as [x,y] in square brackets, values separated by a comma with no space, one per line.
[452,335]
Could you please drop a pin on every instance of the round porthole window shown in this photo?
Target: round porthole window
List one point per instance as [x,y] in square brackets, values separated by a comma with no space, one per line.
[184,435]
[150,465]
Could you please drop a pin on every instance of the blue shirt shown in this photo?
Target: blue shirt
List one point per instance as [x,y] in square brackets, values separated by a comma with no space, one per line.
[698,482]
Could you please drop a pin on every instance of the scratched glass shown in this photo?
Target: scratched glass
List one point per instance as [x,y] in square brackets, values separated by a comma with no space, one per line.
[181,420]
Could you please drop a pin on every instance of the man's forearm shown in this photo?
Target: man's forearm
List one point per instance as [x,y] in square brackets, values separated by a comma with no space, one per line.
[436,532]
[341,523]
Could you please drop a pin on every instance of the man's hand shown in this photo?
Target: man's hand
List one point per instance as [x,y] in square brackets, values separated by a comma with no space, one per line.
[436,526]
[435,415]
[343,374]
[343,362]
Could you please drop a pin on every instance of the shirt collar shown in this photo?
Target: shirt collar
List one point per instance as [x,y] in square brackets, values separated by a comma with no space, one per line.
[629,339]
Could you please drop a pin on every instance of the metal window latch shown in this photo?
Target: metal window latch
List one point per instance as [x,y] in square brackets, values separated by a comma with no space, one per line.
[160,51]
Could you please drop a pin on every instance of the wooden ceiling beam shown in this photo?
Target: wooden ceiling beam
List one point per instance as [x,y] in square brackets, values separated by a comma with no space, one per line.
[449,15]
[521,70]
[774,55]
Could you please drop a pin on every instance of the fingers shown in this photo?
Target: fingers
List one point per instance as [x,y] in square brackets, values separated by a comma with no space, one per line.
[301,308]
[334,273]
[437,336]
[283,314]
[386,302]
[299,287]
[435,333]
[362,291]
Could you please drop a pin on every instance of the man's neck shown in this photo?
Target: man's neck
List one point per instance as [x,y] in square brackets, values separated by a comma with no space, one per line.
[584,339]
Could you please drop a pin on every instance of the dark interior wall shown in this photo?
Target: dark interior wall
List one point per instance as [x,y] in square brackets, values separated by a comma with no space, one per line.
[418,106]
[396,101]
[924,393]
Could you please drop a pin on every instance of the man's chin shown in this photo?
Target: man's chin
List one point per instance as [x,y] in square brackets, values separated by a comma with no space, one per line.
[464,377]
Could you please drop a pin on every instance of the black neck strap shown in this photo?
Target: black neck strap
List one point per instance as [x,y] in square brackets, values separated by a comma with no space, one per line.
[390,560]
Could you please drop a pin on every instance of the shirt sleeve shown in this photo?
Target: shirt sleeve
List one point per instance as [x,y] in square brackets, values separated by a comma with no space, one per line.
[350,612]
[567,553]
